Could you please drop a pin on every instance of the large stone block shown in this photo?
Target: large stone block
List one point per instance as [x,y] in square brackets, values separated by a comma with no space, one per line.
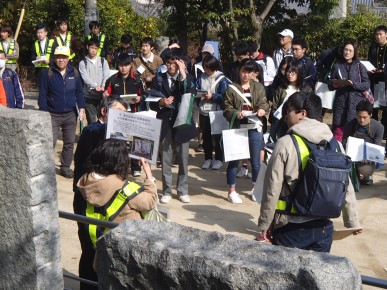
[154,255]
[29,247]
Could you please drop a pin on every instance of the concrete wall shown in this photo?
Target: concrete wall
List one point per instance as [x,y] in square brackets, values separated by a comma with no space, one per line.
[157,255]
[29,234]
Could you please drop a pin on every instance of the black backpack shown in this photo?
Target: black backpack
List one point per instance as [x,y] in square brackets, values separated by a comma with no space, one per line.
[324,179]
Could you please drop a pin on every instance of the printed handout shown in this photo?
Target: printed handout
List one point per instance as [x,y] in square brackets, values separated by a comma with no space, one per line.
[360,150]
[140,131]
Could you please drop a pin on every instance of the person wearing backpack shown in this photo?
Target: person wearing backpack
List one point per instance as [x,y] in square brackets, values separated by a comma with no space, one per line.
[94,71]
[61,94]
[214,84]
[283,219]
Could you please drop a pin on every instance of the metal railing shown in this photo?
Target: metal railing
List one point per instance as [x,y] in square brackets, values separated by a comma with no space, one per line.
[366,280]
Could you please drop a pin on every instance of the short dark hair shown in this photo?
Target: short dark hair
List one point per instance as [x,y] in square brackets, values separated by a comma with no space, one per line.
[295,66]
[125,59]
[301,42]
[7,28]
[93,41]
[62,20]
[210,62]
[381,27]
[309,102]
[94,23]
[148,40]
[364,106]
[111,156]
[355,48]
[108,102]
[126,38]
[253,46]
[41,26]
[247,64]
[241,48]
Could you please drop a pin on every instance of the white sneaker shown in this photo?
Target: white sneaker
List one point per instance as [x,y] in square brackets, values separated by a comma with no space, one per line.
[207,164]
[165,198]
[252,195]
[217,164]
[242,172]
[249,175]
[185,198]
[137,173]
[233,197]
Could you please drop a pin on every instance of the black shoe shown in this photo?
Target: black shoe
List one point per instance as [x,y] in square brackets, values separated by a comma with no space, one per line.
[67,172]
[367,181]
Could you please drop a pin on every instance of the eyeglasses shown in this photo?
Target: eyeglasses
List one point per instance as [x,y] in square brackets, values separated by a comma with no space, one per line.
[296,49]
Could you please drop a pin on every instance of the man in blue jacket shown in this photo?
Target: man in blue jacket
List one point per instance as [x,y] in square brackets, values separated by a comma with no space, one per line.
[11,84]
[61,94]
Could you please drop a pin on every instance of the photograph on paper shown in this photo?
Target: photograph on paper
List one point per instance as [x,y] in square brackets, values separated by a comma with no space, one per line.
[140,131]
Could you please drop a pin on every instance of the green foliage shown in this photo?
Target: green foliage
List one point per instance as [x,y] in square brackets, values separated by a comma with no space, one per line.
[117,17]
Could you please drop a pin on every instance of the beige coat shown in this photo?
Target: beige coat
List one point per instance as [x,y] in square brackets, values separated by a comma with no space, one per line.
[99,191]
[282,176]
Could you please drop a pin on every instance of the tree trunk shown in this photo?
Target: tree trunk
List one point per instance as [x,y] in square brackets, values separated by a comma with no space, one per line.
[257,20]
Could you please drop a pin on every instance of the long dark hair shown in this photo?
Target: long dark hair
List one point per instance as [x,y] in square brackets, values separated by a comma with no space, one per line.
[295,66]
[111,156]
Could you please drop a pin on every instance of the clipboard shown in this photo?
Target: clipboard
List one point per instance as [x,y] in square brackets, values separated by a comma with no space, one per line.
[129,98]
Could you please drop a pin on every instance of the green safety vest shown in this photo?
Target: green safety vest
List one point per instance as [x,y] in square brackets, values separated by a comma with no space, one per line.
[10,50]
[47,51]
[101,39]
[67,42]
[113,207]
[283,203]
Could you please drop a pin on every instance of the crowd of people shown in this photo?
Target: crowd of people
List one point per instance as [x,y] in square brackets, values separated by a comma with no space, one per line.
[276,90]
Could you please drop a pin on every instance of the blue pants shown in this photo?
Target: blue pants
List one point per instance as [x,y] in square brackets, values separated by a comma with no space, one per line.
[314,235]
[255,147]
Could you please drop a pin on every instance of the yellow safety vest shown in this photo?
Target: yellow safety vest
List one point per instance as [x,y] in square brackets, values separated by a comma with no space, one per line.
[283,204]
[119,200]
[67,42]
[47,52]
[9,51]
[101,39]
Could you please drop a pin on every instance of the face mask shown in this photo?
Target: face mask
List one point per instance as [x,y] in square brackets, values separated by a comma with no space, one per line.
[2,63]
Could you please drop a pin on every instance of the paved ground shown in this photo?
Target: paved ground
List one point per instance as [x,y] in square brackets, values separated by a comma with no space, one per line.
[209,210]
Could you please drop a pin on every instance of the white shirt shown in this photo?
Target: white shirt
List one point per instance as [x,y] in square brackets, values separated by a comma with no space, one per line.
[149,59]
[43,45]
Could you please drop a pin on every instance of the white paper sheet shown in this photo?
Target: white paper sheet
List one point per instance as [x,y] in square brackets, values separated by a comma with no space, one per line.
[141,132]
[218,122]
[327,96]
[258,188]
[369,66]
[235,144]
[374,153]
[355,148]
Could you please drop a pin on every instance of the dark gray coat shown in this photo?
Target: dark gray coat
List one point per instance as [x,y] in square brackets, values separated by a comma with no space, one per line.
[347,98]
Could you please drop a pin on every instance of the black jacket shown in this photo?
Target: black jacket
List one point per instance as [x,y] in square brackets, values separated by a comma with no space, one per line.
[168,115]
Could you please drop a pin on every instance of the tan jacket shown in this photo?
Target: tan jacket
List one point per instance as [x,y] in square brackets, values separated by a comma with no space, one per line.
[282,176]
[154,65]
[233,103]
[99,191]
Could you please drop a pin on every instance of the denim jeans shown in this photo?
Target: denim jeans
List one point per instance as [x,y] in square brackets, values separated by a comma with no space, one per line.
[315,235]
[255,147]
